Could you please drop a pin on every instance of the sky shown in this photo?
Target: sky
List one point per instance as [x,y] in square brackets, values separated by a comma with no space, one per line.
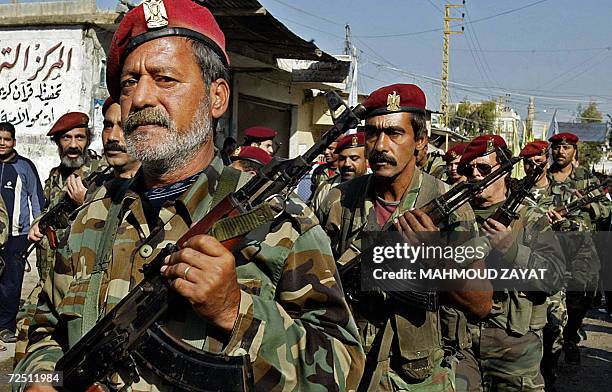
[559,51]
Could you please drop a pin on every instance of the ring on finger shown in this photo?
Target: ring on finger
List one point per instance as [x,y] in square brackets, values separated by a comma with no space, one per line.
[186,272]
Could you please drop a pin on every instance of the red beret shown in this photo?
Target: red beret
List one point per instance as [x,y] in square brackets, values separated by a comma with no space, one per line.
[395,98]
[261,133]
[454,152]
[350,141]
[155,19]
[481,146]
[564,138]
[69,121]
[534,148]
[107,104]
[253,154]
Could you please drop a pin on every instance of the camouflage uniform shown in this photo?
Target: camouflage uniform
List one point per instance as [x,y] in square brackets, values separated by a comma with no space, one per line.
[323,190]
[420,357]
[319,175]
[4,223]
[434,165]
[293,320]
[54,191]
[507,345]
[583,261]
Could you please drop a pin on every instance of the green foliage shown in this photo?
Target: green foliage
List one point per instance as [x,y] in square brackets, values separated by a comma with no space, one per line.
[589,153]
[474,119]
[590,114]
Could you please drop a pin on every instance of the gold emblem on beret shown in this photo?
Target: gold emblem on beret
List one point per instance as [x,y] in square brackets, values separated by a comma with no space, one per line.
[544,151]
[155,13]
[354,141]
[454,155]
[490,146]
[393,102]
[564,140]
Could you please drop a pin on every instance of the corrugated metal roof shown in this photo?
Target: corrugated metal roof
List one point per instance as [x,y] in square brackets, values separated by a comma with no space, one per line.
[587,132]
[252,31]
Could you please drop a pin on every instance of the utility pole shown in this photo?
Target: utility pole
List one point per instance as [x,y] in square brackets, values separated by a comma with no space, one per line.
[446,56]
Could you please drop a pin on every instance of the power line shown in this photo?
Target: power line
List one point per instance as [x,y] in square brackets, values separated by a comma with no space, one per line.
[440,29]
[464,86]
[436,7]
[534,51]
[309,27]
[306,12]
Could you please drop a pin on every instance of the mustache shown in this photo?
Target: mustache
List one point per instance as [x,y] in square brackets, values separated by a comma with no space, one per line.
[72,150]
[147,116]
[115,146]
[381,157]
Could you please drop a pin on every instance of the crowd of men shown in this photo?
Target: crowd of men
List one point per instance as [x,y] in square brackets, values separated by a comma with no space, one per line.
[277,296]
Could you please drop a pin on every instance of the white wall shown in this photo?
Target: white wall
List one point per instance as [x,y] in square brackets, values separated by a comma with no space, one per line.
[44,73]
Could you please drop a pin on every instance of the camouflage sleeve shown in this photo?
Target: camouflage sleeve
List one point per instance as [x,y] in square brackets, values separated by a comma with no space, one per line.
[601,209]
[46,340]
[538,247]
[4,223]
[305,338]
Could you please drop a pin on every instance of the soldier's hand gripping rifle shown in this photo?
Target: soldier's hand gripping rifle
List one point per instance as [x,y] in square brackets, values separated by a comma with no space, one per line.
[58,216]
[439,209]
[133,333]
[506,213]
[589,197]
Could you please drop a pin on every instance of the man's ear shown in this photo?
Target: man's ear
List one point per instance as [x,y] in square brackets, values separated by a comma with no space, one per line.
[421,143]
[219,97]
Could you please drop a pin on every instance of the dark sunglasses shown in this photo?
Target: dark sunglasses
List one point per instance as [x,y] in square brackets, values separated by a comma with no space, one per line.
[467,169]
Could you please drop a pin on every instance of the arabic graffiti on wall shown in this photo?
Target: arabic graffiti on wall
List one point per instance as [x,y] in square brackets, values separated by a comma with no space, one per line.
[40,77]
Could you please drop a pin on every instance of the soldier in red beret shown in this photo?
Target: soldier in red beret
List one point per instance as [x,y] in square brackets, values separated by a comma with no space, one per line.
[452,157]
[567,180]
[261,137]
[534,154]
[72,135]
[527,241]
[325,171]
[287,318]
[250,159]
[351,163]
[395,133]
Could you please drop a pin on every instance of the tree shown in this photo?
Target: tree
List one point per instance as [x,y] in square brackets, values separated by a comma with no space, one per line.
[590,114]
[474,119]
[589,153]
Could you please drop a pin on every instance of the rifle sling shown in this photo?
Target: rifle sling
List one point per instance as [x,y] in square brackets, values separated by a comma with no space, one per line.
[103,255]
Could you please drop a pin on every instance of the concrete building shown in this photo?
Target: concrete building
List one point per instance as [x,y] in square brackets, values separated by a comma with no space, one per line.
[52,60]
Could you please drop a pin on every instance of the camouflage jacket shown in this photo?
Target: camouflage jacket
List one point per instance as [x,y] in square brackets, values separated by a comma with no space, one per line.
[4,223]
[293,320]
[536,247]
[56,183]
[54,191]
[323,190]
[319,176]
[418,335]
[434,165]
[575,234]
[580,178]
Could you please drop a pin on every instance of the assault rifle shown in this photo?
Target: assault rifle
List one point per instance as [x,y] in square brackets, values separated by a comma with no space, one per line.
[133,333]
[439,209]
[589,196]
[506,213]
[58,216]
